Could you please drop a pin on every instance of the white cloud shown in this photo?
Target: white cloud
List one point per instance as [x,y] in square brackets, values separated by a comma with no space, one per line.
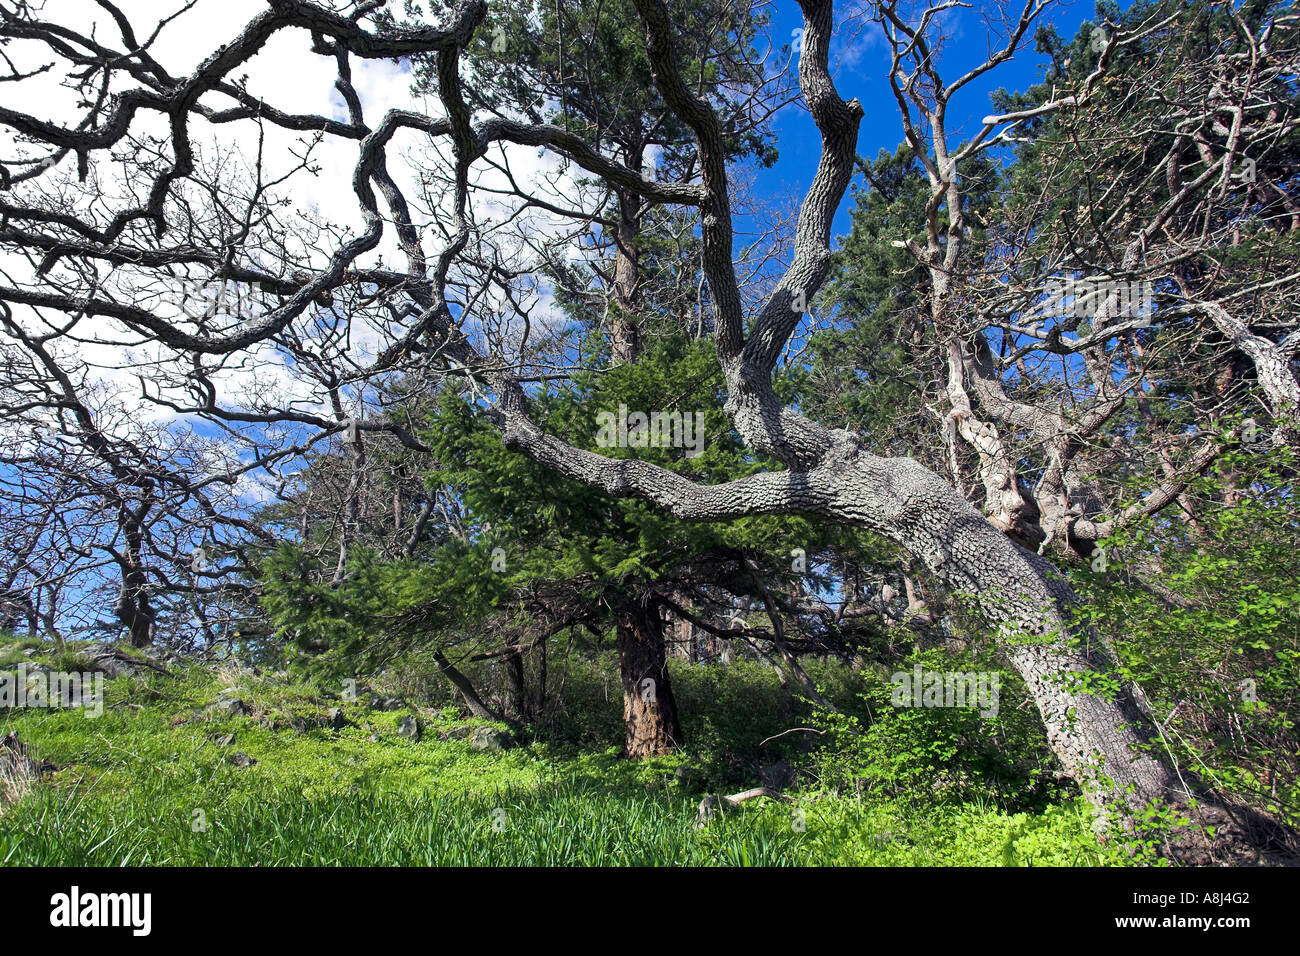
[287,74]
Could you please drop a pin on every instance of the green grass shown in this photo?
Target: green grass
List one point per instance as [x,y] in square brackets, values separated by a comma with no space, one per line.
[146,785]
[566,824]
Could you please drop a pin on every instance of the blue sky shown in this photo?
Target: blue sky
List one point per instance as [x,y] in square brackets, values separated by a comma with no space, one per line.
[862,73]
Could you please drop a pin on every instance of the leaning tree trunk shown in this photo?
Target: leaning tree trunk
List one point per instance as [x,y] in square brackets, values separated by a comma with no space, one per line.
[649,708]
[1094,723]
[477,706]
[1099,735]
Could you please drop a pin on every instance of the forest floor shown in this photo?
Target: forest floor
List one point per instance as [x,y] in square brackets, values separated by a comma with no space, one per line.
[224,766]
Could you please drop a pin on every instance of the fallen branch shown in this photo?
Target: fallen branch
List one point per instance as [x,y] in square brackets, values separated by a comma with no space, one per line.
[810,730]
[710,805]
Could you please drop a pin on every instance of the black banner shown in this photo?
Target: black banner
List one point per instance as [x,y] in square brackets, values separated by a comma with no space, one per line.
[333,906]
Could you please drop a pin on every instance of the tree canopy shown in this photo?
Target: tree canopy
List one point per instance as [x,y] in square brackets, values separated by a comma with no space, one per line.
[559,368]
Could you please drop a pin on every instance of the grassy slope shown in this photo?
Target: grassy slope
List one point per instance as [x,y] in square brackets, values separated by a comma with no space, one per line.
[146,785]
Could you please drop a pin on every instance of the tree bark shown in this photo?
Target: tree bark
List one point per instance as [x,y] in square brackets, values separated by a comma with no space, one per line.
[539,701]
[516,700]
[133,606]
[625,332]
[649,708]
